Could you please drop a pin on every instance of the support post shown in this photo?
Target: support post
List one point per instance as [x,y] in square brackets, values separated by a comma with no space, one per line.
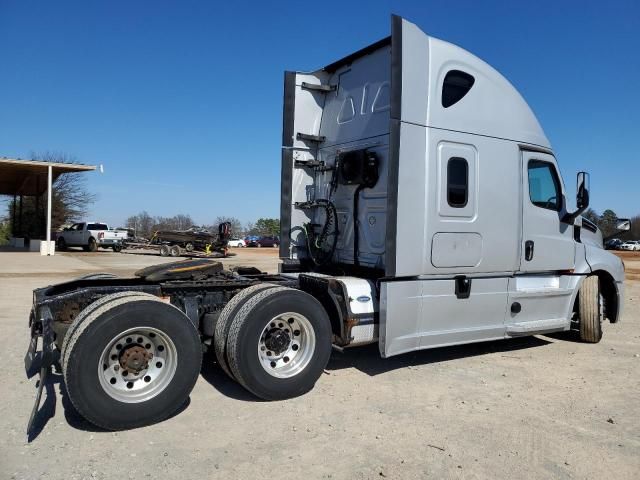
[13,216]
[49,182]
[38,232]
[20,217]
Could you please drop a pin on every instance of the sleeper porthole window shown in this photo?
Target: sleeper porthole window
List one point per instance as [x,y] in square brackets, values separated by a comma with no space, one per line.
[457,182]
[455,86]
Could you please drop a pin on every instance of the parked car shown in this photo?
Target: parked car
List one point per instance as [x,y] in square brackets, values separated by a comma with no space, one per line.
[90,236]
[236,242]
[248,240]
[613,244]
[265,241]
[631,245]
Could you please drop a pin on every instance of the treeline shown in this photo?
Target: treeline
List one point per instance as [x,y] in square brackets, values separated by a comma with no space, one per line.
[144,225]
[607,220]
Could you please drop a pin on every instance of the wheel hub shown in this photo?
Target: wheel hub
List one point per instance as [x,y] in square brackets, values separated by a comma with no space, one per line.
[137,364]
[135,358]
[277,340]
[286,345]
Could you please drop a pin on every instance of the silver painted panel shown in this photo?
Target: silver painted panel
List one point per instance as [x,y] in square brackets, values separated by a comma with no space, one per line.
[456,249]
[426,313]
[400,314]
[554,245]
[542,298]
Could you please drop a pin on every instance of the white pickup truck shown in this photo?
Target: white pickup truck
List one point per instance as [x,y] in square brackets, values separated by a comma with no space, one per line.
[90,236]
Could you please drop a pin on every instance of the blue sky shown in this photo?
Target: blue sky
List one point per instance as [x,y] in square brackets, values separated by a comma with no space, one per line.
[182,101]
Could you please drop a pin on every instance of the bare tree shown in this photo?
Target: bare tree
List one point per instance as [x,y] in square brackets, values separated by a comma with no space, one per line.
[145,225]
[71,198]
[142,224]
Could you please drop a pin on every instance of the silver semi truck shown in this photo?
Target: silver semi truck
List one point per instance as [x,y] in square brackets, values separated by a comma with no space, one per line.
[421,206]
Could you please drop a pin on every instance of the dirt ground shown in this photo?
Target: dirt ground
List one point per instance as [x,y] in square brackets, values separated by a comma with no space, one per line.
[537,407]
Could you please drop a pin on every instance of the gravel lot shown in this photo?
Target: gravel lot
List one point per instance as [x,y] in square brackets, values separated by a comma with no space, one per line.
[538,407]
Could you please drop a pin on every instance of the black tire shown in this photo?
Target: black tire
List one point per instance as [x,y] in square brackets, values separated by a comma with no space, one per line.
[89,309]
[174,251]
[61,244]
[164,250]
[189,247]
[224,321]
[590,310]
[259,245]
[88,341]
[245,333]
[117,248]
[92,246]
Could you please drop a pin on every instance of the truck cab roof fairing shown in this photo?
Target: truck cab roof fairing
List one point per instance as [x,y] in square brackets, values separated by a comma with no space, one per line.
[492,107]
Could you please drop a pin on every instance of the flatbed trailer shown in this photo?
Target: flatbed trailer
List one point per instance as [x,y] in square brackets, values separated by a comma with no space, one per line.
[421,206]
[168,250]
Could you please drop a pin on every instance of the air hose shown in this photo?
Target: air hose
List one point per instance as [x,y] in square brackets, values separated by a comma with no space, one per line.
[317,244]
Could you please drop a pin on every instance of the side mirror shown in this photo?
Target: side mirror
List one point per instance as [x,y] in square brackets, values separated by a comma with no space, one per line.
[582,189]
[582,197]
[623,224]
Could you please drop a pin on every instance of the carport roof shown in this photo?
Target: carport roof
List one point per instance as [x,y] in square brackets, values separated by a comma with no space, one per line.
[29,177]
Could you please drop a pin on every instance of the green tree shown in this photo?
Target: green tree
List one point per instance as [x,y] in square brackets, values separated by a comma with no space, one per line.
[607,222]
[267,226]
[5,231]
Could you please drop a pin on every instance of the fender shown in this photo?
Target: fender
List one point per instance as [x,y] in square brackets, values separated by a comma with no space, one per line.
[610,269]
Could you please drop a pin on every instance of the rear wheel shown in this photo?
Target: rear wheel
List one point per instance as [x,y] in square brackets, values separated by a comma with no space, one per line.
[131,362]
[92,246]
[117,248]
[279,343]
[590,310]
[189,247]
[224,321]
[174,251]
[89,309]
[164,250]
[62,244]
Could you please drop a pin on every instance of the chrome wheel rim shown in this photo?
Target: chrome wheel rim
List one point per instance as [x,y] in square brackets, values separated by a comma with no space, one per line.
[137,364]
[286,345]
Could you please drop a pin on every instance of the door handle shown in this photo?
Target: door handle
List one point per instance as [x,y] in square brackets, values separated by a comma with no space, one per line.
[528,250]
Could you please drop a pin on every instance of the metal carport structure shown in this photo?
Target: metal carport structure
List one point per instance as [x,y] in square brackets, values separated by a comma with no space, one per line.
[22,178]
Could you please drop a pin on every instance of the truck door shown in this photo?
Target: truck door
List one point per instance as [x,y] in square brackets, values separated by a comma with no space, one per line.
[74,236]
[547,242]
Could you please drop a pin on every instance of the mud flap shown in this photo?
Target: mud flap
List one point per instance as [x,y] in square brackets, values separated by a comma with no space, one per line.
[40,361]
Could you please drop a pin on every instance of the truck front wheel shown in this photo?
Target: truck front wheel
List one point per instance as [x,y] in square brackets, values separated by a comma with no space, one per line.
[590,310]
[131,362]
[279,343]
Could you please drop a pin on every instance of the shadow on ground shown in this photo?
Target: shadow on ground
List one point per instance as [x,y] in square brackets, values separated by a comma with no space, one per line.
[368,360]
[47,409]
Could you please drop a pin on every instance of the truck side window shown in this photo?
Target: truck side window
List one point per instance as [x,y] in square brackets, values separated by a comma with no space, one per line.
[455,86]
[457,182]
[544,185]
